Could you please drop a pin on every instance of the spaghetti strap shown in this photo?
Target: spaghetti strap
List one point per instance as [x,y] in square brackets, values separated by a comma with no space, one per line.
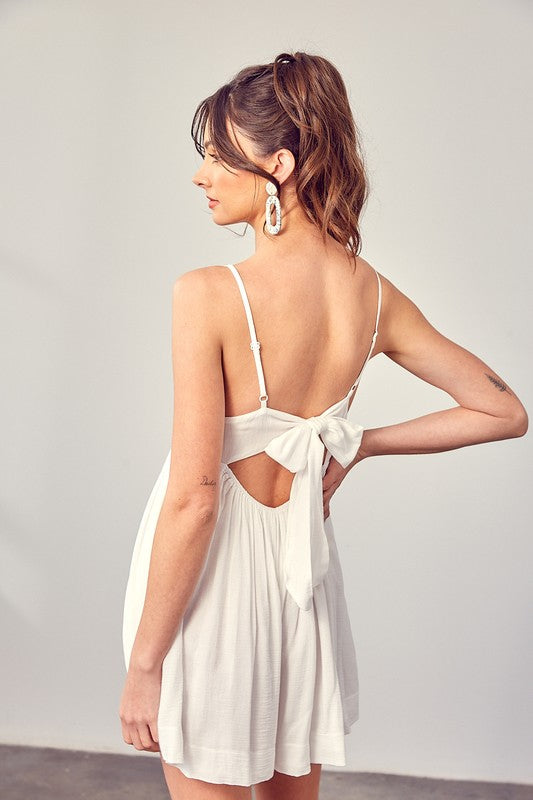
[374,336]
[379,300]
[254,344]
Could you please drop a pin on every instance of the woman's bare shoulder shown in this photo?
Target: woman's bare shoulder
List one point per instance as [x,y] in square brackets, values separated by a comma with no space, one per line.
[202,288]
[205,273]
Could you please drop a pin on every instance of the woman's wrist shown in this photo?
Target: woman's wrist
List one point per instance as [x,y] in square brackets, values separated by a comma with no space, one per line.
[145,662]
[365,447]
[363,451]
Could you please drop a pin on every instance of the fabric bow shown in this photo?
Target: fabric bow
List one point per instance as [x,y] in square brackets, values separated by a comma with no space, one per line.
[301,449]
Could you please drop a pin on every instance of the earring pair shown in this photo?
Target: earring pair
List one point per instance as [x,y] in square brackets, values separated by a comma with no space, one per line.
[272,200]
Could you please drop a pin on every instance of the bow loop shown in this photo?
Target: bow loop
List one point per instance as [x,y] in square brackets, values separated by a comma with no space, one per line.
[291,448]
[342,439]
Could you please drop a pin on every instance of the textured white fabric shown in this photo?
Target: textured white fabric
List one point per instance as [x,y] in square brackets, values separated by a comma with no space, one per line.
[262,674]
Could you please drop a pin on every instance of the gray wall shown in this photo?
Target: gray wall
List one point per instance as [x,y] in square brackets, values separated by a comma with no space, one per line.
[99,217]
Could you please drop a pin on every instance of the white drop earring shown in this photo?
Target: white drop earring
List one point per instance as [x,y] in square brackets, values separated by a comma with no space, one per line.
[272,200]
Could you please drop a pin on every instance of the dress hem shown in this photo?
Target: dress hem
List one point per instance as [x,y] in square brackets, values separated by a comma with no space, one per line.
[267,761]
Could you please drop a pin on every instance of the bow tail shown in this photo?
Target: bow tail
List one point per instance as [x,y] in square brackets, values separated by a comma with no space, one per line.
[307,555]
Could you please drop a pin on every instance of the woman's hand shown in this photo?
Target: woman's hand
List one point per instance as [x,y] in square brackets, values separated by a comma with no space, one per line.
[139,708]
[335,474]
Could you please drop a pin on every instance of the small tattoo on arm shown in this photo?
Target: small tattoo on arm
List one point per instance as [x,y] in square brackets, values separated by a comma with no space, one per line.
[206,482]
[498,384]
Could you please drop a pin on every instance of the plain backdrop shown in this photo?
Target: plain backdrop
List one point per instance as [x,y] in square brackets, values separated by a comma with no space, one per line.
[99,217]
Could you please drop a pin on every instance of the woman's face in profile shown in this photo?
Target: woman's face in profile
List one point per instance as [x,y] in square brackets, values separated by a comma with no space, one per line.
[232,189]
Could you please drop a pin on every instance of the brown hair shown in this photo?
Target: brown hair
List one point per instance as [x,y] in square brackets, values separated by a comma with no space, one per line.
[298,102]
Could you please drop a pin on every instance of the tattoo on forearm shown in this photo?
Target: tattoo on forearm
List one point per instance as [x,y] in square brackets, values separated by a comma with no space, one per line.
[498,384]
[206,482]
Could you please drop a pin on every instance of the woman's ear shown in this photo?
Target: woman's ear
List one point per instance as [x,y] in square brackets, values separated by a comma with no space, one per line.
[282,165]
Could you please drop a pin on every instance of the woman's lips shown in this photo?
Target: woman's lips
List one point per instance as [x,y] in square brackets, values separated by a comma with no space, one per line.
[212,203]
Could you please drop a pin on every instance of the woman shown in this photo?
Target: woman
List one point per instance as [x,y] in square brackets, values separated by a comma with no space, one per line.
[241,662]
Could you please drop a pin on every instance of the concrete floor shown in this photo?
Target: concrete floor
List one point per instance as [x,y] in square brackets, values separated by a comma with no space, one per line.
[31,773]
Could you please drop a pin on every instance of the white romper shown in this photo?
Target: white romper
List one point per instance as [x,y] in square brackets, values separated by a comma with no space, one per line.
[262,673]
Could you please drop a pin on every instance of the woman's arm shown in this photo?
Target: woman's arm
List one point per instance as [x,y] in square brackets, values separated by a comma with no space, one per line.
[188,514]
[487,409]
[189,511]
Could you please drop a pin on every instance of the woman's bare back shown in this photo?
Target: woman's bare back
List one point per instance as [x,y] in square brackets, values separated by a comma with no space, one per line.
[315,323]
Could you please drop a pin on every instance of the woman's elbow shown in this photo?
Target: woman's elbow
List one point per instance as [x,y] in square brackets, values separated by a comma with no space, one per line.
[519,423]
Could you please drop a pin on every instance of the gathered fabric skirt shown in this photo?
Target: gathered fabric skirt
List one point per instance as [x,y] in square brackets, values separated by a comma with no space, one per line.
[251,683]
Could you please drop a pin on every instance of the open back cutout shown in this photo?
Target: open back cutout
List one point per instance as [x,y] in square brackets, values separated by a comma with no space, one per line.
[263,498]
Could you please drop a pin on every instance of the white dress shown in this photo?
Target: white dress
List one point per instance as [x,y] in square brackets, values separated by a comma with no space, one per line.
[262,673]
